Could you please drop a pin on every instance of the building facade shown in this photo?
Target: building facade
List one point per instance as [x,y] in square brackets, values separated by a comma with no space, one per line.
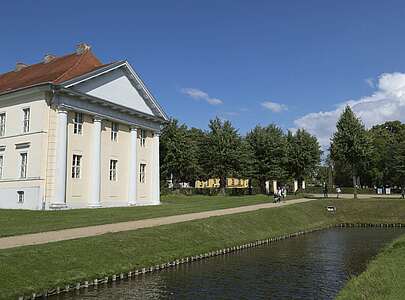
[77,133]
[216,183]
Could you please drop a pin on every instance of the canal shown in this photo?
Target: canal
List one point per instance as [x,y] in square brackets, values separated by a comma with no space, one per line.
[312,266]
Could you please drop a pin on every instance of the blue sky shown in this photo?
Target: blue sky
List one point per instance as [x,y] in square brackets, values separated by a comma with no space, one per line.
[230,59]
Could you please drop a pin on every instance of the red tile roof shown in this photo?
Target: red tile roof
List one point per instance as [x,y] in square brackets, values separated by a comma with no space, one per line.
[56,71]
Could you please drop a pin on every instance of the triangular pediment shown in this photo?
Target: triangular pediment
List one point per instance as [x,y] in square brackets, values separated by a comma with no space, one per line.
[120,85]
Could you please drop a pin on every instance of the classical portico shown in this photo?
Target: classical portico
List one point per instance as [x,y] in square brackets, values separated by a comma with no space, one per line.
[95,178]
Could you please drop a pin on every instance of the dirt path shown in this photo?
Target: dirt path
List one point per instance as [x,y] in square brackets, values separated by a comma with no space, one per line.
[81,232]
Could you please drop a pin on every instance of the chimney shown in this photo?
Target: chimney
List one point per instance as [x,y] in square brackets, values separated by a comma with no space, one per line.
[81,48]
[19,66]
[48,58]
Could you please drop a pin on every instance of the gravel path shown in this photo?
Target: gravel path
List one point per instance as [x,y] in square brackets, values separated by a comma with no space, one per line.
[81,232]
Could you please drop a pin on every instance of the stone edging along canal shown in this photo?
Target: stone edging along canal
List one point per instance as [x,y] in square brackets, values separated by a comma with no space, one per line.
[137,272]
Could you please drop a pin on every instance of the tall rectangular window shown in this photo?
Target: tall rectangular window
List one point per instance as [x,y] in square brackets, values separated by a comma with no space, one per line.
[114,131]
[20,197]
[1,166]
[113,170]
[78,123]
[76,166]
[143,138]
[2,124]
[26,121]
[142,173]
[23,165]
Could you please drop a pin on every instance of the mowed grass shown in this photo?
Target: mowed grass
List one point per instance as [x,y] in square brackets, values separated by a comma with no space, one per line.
[15,222]
[383,278]
[34,268]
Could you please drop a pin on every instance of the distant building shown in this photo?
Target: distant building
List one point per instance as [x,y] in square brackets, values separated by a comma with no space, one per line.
[75,132]
[216,183]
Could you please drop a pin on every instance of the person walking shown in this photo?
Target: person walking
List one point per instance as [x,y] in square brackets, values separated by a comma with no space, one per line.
[325,190]
[338,191]
[284,192]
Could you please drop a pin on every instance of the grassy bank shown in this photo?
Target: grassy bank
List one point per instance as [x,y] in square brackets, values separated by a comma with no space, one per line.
[14,222]
[33,268]
[383,278]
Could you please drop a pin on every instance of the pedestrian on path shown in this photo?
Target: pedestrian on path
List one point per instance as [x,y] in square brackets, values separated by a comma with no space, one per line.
[338,191]
[325,190]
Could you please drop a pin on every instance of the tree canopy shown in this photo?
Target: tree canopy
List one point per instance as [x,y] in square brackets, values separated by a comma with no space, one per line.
[304,154]
[265,153]
[351,144]
[223,151]
[269,146]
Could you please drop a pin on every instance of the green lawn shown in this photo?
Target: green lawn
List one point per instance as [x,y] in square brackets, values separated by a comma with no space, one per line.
[14,222]
[383,279]
[34,268]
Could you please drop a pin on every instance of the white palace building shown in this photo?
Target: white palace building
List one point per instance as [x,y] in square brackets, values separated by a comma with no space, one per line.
[77,133]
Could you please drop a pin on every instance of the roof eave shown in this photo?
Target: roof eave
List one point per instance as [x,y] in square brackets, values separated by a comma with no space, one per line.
[39,86]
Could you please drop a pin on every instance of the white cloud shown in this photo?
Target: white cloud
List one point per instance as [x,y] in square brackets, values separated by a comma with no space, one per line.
[387,103]
[201,95]
[274,107]
[370,82]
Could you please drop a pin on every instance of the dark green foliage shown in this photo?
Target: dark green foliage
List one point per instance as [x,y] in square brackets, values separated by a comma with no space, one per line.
[225,153]
[220,152]
[385,166]
[304,154]
[179,150]
[269,146]
[388,155]
[351,144]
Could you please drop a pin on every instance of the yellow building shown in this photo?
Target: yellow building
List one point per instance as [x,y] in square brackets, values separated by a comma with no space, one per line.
[216,183]
[237,183]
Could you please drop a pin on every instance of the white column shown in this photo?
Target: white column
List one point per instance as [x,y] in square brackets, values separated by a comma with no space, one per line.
[133,170]
[295,185]
[155,170]
[59,199]
[303,184]
[267,183]
[274,186]
[95,171]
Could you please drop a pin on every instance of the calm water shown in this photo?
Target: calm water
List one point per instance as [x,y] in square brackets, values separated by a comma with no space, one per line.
[313,266]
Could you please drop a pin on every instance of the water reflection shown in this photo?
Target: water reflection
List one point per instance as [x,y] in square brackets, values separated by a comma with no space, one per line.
[314,266]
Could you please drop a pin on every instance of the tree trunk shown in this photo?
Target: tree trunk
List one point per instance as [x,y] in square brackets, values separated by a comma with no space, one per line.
[222,185]
[262,184]
[250,186]
[354,183]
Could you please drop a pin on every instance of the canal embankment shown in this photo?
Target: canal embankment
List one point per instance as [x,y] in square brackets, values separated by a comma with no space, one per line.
[383,278]
[67,263]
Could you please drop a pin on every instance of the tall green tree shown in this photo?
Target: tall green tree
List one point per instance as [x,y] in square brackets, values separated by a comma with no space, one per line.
[223,152]
[179,155]
[399,164]
[304,154]
[269,146]
[198,138]
[351,144]
[386,139]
